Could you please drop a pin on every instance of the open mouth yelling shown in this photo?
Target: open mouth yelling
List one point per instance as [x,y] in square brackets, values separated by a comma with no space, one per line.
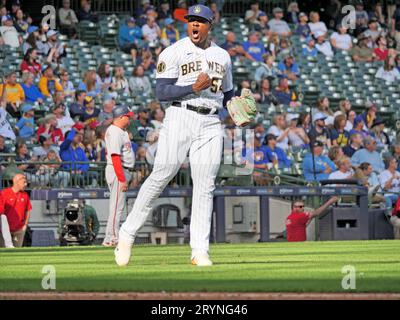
[195,34]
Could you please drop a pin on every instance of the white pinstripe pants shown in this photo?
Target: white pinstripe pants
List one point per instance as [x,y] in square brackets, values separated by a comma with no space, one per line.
[183,132]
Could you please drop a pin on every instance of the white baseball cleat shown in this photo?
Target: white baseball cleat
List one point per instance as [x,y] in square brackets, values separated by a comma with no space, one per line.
[202,260]
[123,253]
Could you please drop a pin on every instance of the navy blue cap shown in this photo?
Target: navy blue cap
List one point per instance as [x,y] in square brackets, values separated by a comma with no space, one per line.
[120,111]
[200,11]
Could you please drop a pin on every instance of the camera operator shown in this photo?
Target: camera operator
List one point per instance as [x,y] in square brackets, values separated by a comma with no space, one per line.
[92,224]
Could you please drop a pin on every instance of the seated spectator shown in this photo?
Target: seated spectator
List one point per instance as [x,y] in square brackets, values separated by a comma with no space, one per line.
[339,135]
[396,152]
[21,23]
[30,62]
[169,34]
[252,15]
[32,40]
[355,144]
[164,11]
[359,127]
[345,106]
[323,45]
[68,19]
[76,108]
[74,158]
[31,91]
[45,145]
[323,106]
[379,135]
[381,51]
[262,26]
[53,49]
[310,50]
[273,45]
[151,31]
[264,95]
[255,157]
[368,154]
[85,12]
[388,72]
[361,18]
[254,47]
[322,164]
[277,26]
[344,170]
[104,76]
[157,117]
[139,128]
[297,222]
[280,131]
[64,121]
[373,32]
[317,27]
[341,40]
[26,125]
[68,86]
[285,49]
[361,52]
[119,83]
[266,69]
[233,47]
[49,127]
[130,37]
[298,137]
[303,29]
[181,11]
[244,84]
[9,34]
[50,168]
[275,155]
[335,153]
[13,94]
[215,8]
[351,116]
[139,83]
[304,121]
[390,183]
[105,117]
[146,60]
[368,178]
[289,68]
[292,15]
[318,132]
[90,113]
[285,95]
[89,84]
[6,130]
[23,161]
[48,84]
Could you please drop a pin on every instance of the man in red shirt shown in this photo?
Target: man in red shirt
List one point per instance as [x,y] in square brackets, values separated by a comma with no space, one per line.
[5,236]
[298,220]
[17,208]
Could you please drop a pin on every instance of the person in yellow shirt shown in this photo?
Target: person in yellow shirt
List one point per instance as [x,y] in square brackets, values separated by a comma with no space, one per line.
[13,93]
[169,34]
[48,84]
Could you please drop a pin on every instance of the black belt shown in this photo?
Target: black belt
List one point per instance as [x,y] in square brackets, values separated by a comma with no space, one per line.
[201,110]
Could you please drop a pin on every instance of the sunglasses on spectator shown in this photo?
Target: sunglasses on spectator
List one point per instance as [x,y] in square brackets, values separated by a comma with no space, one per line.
[302,206]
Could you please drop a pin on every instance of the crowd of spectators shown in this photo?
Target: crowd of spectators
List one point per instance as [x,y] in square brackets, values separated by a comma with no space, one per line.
[70,134]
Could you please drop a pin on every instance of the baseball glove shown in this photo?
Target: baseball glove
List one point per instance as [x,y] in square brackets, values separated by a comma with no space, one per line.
[242,109]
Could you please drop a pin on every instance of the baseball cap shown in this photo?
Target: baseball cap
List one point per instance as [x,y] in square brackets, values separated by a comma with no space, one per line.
[45,66]
[317,143]
[88,99]
[370,104]
[32,29]
[121,111]
[277,10]
[302,14]
[377,122]
[169,21]
[319,116]
[131,19]
[51,33]
[200,11]
[291,117]
[6,18]
[108,97]
[78,126]
[269,137]
[44,136]
[26,107]
[358,119]
[262,14]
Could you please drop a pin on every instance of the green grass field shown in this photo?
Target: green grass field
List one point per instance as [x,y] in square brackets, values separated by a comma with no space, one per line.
[262,267]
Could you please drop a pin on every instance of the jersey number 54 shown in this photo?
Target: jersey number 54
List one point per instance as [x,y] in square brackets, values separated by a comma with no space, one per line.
[216,85]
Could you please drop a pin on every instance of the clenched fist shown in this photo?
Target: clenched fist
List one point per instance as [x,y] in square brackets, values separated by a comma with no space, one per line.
[203,82]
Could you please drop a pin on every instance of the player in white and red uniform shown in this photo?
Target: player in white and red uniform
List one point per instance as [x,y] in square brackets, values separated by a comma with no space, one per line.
[194,76]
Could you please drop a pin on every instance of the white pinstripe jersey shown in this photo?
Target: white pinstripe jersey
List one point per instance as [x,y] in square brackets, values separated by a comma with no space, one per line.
[185,61]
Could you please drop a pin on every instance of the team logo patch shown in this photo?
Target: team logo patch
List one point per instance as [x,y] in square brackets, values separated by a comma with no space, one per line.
[197,9]
[161,67]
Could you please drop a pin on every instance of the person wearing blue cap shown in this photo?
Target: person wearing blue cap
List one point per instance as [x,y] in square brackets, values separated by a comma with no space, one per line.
[310,50]
[169,34]
[9,33]
[130,37]
[26,125]
[194,79]
[303,29]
